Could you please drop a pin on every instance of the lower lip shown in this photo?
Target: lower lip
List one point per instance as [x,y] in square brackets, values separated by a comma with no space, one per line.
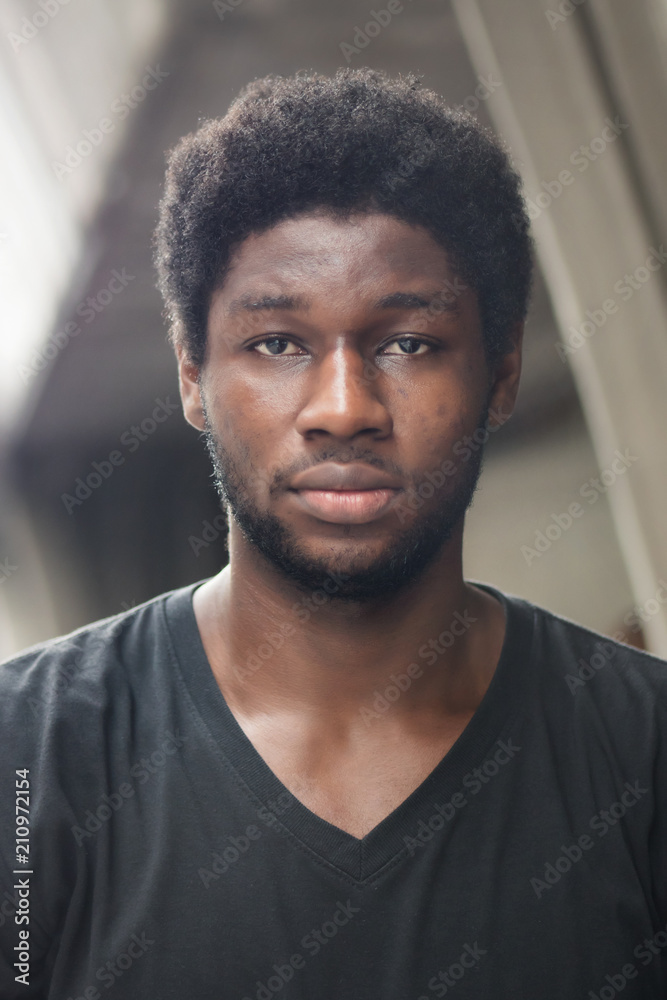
[346,506]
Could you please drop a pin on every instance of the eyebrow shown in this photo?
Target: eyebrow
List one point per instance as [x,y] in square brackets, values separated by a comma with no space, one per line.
[255,303]
[396,300]
[410,300]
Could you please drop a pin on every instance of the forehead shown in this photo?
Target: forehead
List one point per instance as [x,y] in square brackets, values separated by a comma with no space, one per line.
[321,251]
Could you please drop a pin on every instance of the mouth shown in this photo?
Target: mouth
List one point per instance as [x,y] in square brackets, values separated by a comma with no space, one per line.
[346,506]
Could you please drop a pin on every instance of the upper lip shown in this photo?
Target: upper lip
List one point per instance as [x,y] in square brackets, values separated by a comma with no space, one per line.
[331,476]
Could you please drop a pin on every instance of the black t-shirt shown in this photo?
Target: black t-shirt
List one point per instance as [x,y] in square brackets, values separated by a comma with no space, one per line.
[167,862]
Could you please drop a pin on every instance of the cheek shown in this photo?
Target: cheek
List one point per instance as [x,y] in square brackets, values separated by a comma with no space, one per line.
[261,398]
[240,411]
[252,428]
[428,432]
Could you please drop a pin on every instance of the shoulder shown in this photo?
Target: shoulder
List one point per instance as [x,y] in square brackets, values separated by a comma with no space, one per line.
[588,683]
[580,656]
[563,658]
[87,665]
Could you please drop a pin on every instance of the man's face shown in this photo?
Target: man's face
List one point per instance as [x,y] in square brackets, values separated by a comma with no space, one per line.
[344,369]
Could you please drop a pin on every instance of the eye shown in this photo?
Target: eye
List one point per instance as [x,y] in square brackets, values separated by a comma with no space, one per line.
[276,346]
[407,345]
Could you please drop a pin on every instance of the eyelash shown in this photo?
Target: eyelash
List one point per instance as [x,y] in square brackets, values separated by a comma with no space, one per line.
[397,340]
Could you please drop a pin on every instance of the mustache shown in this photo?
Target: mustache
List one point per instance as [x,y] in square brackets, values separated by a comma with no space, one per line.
[277,477]
[343,455]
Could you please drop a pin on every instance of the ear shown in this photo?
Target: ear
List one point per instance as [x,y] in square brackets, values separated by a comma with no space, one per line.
[188,385]
[505,380]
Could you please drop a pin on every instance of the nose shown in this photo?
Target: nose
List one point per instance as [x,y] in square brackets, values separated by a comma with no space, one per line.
[343,398]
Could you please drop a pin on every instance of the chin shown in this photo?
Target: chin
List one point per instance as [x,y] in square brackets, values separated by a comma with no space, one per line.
[350,572]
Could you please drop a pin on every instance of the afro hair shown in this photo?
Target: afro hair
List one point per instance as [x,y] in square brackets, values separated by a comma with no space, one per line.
[360,141]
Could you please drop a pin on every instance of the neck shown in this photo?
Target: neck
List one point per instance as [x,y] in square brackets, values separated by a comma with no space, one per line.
[273,647]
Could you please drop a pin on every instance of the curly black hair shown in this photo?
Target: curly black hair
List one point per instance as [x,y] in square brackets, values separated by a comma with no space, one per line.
[358,141]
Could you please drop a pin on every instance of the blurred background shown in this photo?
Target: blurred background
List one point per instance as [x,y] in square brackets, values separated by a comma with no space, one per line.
[106,498]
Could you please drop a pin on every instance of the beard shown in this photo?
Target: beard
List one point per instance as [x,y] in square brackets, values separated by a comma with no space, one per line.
[406,557]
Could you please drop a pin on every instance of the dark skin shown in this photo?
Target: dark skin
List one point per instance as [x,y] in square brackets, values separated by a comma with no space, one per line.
[302,709]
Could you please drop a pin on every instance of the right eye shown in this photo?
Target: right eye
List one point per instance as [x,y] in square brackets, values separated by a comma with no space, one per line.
[275,347]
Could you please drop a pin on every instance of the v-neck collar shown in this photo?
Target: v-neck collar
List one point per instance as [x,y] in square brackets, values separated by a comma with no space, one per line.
[360,859]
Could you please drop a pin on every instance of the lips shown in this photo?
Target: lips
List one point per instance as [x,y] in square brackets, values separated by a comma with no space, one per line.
[351,476]
[345,494]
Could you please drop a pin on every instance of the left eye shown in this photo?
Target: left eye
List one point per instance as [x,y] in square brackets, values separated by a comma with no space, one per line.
[407,345]
[273,346]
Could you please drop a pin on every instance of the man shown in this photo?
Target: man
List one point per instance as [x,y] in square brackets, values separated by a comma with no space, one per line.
[337,769]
